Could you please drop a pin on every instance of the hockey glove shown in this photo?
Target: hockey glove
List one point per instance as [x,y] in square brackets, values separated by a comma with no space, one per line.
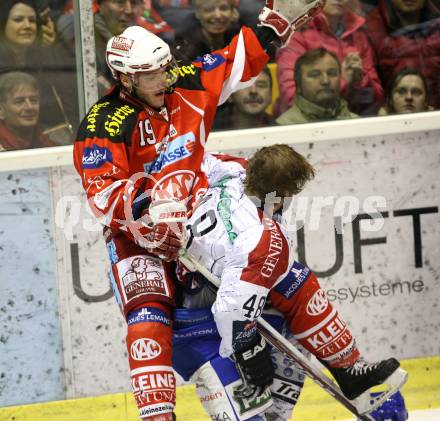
[287,16]
[167,234]
[190,282]
[165,240]
[255,367]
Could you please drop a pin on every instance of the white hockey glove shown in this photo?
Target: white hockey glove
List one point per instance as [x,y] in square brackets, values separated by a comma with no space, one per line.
[287,16]
[167,235]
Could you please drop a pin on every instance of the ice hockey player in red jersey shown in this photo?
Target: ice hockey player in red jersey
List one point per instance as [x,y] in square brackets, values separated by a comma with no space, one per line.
[138,152]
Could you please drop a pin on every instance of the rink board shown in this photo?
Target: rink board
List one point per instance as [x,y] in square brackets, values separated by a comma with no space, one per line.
[31,357]
[67,341]
[421,391]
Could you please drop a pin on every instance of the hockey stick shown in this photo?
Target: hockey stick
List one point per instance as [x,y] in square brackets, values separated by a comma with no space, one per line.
[283,345]
[169,211]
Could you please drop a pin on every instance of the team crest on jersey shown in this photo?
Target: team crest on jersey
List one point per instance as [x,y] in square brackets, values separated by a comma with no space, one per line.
[96,157]
[145,349]
[177,185]
[180,148]
[317,304]
[173,131]
[211,61]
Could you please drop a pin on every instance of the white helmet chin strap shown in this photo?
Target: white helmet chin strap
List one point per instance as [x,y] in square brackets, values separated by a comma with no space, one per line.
[133,80]
[133,85]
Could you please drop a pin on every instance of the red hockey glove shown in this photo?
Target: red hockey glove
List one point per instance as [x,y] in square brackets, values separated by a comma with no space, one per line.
[189,280]
[183,274]
[167,235]
[166,240]
[287,16]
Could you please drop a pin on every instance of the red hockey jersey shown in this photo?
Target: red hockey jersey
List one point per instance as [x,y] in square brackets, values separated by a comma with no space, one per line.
[128,153]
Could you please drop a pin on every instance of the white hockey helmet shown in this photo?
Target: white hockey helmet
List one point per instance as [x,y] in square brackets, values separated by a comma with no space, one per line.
[137,50]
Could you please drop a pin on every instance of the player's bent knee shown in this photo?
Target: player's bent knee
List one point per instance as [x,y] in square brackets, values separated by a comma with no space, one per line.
[149,337]
[215,383]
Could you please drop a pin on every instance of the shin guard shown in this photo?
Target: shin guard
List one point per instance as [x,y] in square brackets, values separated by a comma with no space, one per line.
[150,358]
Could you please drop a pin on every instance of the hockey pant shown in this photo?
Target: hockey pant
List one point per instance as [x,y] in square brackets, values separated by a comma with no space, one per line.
[145,294]
[313,321]
[196,358]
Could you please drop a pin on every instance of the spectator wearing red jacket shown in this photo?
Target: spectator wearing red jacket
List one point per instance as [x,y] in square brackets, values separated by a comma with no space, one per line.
[339,30]
[20,112]
[407,35]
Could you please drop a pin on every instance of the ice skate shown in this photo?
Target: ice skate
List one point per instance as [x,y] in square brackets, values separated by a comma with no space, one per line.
[357,380]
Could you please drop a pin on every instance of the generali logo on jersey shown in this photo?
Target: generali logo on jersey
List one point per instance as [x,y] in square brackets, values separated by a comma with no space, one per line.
[275,249]
[145,349]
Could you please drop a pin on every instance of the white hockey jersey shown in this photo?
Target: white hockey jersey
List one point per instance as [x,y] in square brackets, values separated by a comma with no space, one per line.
[247,250]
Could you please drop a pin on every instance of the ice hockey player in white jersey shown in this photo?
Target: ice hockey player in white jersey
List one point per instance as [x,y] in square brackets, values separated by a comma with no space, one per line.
[248,250]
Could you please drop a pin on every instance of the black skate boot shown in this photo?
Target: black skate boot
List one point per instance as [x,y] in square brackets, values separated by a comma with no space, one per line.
[357,379]
[361,376]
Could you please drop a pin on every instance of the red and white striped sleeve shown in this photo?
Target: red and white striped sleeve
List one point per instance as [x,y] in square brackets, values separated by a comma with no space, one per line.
[258,259]
[234,67]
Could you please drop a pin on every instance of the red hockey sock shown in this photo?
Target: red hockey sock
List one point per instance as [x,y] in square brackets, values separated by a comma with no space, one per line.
[317,325]
[149,340]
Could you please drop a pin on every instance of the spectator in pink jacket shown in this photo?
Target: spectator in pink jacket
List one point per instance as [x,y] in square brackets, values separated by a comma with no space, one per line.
[339,30]
[406,34]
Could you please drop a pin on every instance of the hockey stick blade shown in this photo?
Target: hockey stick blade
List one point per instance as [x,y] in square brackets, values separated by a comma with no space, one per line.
[284,346]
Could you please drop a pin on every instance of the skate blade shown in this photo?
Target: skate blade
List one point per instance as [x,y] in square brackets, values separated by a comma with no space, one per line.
[365,403]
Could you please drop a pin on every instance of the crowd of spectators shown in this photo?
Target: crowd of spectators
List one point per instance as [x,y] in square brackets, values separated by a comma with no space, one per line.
[28,44]
[356,58]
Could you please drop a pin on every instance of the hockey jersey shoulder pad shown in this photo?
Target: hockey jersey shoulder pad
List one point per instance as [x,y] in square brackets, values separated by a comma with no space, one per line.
[189,76]
[110,118]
